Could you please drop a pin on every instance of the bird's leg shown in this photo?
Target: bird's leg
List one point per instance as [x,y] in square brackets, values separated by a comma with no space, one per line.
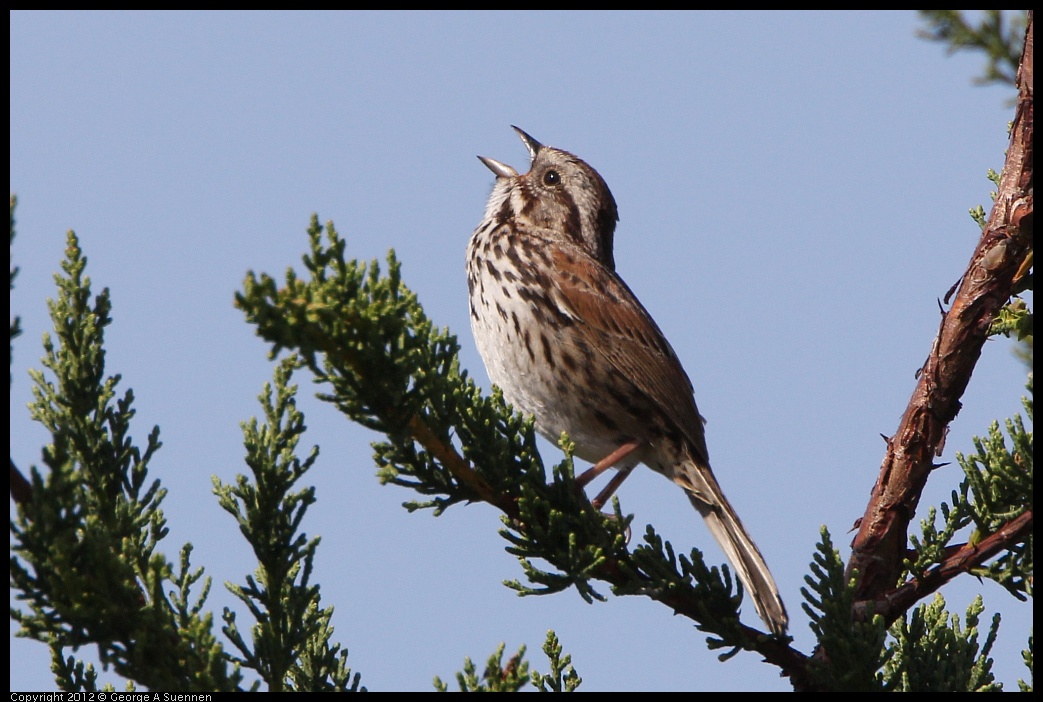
[604,464]
[610,489]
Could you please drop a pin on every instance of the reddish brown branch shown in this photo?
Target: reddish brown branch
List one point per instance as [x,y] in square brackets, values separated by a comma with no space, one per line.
[778,652]
[459,467]
[963,559]
[984,288]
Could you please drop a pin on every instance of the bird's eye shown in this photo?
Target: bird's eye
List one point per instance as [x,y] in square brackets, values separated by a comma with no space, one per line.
[551,177]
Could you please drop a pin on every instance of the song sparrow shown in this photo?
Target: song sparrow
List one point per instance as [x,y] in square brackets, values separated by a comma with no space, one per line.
[566,340]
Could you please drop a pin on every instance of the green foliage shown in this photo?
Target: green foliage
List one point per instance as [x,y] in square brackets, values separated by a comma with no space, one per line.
[1014,319]
[291,648]
[714,604]
[997,488]
[1026,656]
[388,368]
[931,653]
[998,35]
[928,650]
[562,677]
[71,674]
[498,677]
[551,520]
[1001,481]
[85,539]
[365,336]
[850,650]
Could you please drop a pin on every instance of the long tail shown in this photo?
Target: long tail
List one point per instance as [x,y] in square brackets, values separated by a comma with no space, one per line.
[708,498]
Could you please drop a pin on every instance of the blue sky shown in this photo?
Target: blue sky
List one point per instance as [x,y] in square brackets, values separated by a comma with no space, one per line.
[793,192]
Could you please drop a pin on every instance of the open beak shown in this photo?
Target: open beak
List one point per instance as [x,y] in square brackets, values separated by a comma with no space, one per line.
[502,170]
[531,144]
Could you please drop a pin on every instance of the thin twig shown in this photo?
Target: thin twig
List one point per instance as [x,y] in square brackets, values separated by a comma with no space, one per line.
[963,559]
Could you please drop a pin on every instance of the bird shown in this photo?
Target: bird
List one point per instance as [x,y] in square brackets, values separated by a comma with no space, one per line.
[566,341]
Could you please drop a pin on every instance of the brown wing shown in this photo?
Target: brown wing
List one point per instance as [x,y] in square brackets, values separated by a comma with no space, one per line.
[627,337]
